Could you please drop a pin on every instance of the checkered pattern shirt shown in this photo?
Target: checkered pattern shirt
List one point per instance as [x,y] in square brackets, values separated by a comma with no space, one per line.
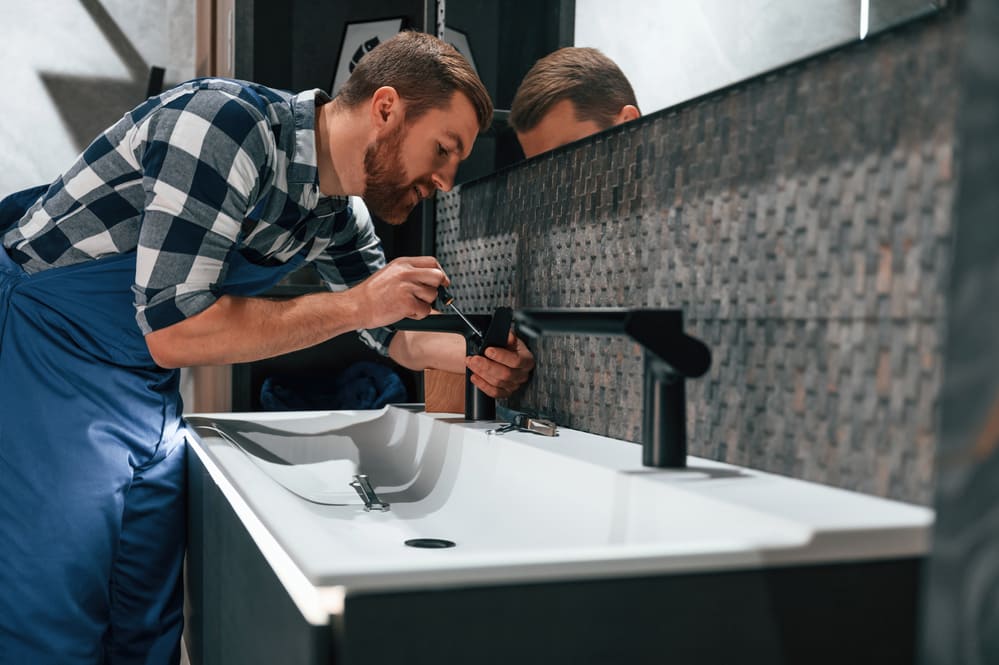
[208,168]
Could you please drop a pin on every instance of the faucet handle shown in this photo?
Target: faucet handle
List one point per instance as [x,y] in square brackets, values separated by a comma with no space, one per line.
[540,426]
[661,332]
[499,329]
[526,423]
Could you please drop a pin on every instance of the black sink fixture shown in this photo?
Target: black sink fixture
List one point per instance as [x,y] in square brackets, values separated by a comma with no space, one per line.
[670,357]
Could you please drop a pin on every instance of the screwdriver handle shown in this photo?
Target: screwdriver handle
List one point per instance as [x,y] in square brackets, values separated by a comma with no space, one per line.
[444,296]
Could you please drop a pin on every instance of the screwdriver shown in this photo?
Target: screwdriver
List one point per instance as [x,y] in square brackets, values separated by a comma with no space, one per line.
[448,300]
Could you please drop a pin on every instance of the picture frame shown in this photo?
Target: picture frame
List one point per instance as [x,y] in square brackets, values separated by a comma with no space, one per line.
[359,37]
[459,39]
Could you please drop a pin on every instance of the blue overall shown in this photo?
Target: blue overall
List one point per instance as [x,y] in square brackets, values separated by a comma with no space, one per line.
[92,448]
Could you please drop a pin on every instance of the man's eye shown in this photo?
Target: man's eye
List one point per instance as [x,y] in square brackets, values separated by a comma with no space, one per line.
[441,150]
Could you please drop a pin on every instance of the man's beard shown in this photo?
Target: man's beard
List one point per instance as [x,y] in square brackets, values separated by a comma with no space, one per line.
[385,194]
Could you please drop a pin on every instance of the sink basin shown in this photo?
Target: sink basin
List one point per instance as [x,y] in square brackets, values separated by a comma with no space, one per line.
[518,508]
[503,502]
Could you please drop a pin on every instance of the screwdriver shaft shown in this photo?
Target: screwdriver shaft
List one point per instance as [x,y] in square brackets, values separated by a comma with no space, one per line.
[448,299]
[467,322]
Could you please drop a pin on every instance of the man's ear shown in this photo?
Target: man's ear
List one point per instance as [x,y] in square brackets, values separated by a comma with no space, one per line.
[627,112]
[387,108]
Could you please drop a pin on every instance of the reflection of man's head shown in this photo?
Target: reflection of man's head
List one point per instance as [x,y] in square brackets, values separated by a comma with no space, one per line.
[568,95]
[427,74]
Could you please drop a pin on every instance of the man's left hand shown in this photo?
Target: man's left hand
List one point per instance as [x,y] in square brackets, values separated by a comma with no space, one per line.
[502,370]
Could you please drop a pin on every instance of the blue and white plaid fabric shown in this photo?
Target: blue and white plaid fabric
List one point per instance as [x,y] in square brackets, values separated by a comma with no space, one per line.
[207,168]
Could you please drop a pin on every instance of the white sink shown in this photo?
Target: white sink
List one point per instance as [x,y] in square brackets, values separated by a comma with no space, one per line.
[566,550]
[518,506]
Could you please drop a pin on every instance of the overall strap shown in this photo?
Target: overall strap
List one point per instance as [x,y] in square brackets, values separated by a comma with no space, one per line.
[13,207]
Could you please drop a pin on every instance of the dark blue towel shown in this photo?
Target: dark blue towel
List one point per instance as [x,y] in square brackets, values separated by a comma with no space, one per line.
[363,385]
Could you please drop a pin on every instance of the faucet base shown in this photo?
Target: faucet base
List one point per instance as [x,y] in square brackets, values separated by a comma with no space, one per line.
[478,405]
[664,417]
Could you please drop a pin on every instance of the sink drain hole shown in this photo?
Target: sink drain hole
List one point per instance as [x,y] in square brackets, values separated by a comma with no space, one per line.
[430,543]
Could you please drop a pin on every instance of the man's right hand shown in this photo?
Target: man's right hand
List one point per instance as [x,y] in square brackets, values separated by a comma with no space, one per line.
[405,288]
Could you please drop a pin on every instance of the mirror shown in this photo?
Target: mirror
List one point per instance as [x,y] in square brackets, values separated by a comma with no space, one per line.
[697,47]
[670,50]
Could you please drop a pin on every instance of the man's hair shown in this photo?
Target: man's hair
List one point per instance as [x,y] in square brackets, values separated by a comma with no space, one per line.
[425,71]
[595,85]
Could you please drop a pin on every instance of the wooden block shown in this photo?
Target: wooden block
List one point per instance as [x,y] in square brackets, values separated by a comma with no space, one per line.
[213,389]
[444,392]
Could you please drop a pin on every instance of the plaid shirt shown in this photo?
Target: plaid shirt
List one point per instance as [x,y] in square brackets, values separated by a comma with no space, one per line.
[207,168]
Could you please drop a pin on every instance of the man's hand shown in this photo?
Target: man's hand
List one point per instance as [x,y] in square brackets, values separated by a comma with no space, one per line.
[502,370]
[405,288]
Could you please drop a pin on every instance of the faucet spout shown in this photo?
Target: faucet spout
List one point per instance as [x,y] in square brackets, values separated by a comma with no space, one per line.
[478,405]
[670,356]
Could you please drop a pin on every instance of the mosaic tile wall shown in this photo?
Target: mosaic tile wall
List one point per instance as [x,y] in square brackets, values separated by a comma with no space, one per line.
[801,220]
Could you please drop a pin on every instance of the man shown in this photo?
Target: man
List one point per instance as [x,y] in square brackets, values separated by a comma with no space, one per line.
[568,95]
[144,257]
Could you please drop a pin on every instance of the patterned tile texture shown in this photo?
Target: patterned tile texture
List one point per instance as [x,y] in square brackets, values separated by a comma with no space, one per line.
[801,220]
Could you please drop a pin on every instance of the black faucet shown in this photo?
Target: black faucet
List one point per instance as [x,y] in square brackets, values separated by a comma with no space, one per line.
[478,405]
[670,357]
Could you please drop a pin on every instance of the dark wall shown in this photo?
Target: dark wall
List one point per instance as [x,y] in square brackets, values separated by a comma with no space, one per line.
[318,28]
[802,222]
[263,42]
[534,28]
[295,45]
[961,603]
[479,20]
[507,38]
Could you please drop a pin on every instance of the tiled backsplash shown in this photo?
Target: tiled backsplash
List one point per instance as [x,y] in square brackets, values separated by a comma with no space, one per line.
[802,221]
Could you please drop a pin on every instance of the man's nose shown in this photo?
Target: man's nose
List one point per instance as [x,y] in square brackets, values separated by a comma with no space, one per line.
[444,180]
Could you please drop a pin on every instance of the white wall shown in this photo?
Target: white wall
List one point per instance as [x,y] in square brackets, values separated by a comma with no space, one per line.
[673,50]
[72,67]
